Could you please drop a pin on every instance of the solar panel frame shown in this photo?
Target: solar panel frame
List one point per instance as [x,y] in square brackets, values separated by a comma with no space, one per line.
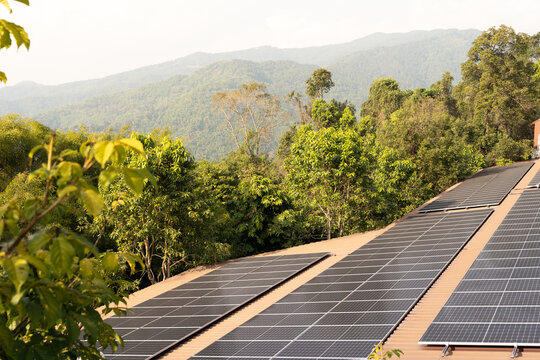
[506,290]
[379,315]
[207,303]
[488,187]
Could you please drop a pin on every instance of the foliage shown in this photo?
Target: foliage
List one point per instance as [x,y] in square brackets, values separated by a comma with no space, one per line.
[335,172]
[319,83]
[165,225]
[385,97]
[379,353]
[9,30]
[500,94]
[54,282]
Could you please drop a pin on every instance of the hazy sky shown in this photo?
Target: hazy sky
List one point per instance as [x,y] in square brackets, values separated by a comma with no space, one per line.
[77,40]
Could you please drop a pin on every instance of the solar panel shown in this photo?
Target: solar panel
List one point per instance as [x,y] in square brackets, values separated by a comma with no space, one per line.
[535,182]
[488,187]
[356,303]
[156,325]
[498,301]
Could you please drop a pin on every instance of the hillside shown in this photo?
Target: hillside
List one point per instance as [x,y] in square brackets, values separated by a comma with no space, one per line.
[30,98]
[183,103]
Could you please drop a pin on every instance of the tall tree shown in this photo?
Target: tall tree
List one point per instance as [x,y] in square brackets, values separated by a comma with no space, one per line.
[319,84]
[499,92]
[251,114]
[385,97]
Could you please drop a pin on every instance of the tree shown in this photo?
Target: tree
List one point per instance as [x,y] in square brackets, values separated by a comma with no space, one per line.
[335,113]
[251,114]
[500,93]
[385,97]
[9,30]
[319,83]
[424,132]
[165,225]
[55,283]
[336,172]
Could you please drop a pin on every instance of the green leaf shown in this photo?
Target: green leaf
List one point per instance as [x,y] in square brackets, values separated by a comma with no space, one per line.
[62,254]
[70,170]
[92,201]
[3,77]
[67,152]
[132,144]
[107,176]
[134,180]
[103,151]
[87,268]
[17,270]
[34,149]
[38,242]
[8,30]
[110,261]
[66,190]
[29,208]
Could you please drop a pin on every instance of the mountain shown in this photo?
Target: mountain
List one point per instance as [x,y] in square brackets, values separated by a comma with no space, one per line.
[183,103]
[30,98]
[180,103]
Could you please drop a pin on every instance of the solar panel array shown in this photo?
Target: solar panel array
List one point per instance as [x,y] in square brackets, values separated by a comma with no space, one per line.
[498,300]
[347,309]
[488,187]
[162,322]
[535,182]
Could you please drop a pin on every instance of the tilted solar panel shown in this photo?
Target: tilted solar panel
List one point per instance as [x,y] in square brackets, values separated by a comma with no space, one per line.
[488,187]
[498,300]
[156,325]
[535,182]
[355,304]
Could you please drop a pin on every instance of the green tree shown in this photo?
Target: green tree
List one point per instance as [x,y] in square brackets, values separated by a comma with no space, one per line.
[55,284]
[385,97]
[499,92]
[165,225]
[424,132]
[9,31]
[335,172]
[333,113]
[319,84]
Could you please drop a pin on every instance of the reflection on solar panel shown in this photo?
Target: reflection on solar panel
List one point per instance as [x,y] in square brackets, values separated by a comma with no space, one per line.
[486,188]
[498,300]
[535,182]
[343,312]
[162,322]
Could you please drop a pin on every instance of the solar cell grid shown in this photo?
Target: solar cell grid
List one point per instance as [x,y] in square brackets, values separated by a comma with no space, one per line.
[499,297]
[535,182]
[357,302]
[486,188]
[157,324]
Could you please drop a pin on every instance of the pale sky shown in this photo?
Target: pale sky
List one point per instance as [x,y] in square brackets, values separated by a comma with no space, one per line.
[77,40]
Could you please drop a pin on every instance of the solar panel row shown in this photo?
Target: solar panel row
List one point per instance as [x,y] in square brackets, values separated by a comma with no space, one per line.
[535,182]
[343,312]
[498,300]
[159,323]
[488,187]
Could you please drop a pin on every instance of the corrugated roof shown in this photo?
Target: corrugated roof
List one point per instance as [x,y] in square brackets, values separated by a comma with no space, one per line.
[407,334]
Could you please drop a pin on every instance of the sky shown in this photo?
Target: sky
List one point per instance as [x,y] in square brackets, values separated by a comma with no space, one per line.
[77,40]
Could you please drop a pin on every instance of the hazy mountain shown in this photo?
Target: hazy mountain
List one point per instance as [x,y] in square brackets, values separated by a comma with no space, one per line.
[29,98]
[183,103]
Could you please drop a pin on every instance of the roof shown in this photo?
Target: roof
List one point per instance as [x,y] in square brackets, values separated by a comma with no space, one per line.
[409,331]
[534,122]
